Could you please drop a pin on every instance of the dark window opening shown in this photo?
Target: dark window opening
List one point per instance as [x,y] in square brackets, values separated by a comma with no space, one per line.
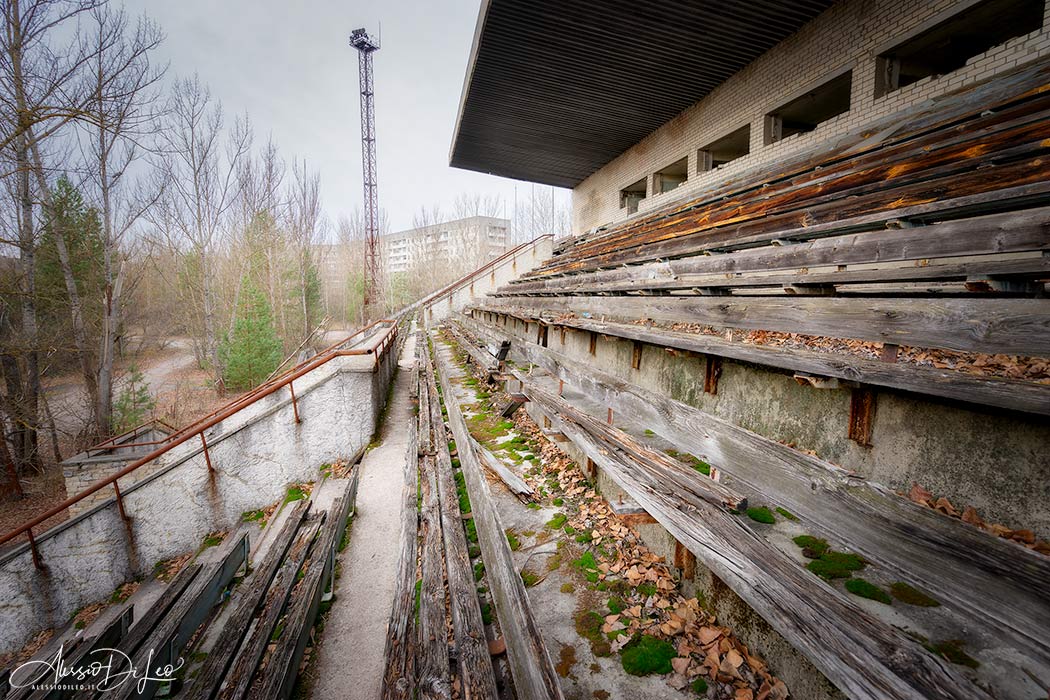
[672,176]
[724,150]
[631,195]
[948,45]
[805,113]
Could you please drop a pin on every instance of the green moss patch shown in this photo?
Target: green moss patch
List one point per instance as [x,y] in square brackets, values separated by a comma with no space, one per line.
[761,515]
[479,570]
[589,626]
[568,588]
[812,547]
[529,578]
[699,686]
[645,655]
[558,521]
[912,596]
[836,565]
[616,605]
[254,516]
[784,512]
[294,493]
[866,589]
[951,649]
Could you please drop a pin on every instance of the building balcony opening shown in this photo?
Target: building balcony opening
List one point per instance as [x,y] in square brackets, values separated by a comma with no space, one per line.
[631,195]
[948,45]
[806,112]
[672,176]
[724,150]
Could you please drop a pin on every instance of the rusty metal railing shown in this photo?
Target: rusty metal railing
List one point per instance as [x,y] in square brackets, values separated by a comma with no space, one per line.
[387,337]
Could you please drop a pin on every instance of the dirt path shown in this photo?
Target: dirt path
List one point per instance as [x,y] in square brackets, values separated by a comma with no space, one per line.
[350,660]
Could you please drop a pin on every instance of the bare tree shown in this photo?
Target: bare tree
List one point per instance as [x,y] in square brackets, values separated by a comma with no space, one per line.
[41,90]
[202,186]
[305,219]
[123,93]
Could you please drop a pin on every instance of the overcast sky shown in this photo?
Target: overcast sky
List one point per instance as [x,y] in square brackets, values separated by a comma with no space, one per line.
[289,65]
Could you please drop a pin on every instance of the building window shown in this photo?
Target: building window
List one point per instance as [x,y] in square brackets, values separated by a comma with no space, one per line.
[806,112]
[631,195]
[724,150]
[672,176]
[949,44]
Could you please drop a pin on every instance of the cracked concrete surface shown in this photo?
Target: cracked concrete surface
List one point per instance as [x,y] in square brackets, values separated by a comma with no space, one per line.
[350,658]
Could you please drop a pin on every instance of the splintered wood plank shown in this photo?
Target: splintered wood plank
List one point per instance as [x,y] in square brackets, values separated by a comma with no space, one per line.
[245,604]
[1013,394]
[1010,326]
[1010,232]
[399,669]
[863,656]
[531,666]
[477,680]
[513,482]
[237,680]
[277,679]
[432,664]
[958,564]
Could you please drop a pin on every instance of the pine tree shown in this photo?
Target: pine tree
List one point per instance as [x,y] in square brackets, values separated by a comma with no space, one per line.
[253,350]
[133,403]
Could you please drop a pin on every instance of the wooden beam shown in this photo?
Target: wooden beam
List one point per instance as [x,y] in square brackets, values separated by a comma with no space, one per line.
[473,663]
[399,648]
[960,386]
[1011,232]
[432,664]
[531,666]
[915,543]
[1010,326]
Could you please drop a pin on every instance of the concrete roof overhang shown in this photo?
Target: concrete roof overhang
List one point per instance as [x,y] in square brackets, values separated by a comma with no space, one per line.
[555,89]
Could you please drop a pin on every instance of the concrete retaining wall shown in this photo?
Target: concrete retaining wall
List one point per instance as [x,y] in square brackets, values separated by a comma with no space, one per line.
[256,454]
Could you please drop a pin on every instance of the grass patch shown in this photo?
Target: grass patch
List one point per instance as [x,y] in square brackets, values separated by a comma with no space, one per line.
[616,605]
[951,649]
[486,613]
[479,570]
[866,589]
[761,515]
[294,493]
[583,537]
[558,521]
[472,531]
[645,655]
[529,578]
[912,596]
[836,565]
[647,589]
[784,512]
[589,626]
[812,547]
[558,502]
[254,516]
[212,539]
[512,540]
[532,506]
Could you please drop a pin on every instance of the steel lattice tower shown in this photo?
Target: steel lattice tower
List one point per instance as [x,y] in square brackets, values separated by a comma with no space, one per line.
[366,46]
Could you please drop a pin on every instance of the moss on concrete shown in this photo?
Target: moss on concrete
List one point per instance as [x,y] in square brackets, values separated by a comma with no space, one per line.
[912,596]
[866,589]
[645,655]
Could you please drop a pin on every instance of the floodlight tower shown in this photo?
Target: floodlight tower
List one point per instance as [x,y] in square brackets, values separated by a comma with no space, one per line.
[366,46]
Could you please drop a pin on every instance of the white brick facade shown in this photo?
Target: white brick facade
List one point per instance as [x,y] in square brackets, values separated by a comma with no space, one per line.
[848,35]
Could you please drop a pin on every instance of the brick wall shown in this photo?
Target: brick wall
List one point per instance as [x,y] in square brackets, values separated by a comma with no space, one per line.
[848,35]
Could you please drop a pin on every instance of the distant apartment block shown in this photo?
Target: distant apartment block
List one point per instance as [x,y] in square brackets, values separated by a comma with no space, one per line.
[471,242]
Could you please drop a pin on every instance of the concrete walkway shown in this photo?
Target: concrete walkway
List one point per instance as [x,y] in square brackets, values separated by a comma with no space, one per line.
[350,660]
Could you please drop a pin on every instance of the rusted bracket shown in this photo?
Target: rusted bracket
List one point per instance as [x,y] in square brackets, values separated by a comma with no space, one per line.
[861,415]
[120,504]
[684,561]
[37,561]
[295,404]
[207,457]
[636,355]
[712,371]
